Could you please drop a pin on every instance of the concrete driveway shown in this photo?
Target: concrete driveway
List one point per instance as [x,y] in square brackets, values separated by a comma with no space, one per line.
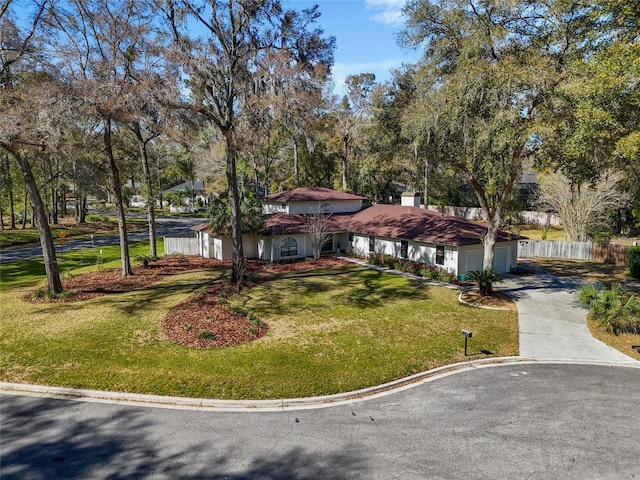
[553,323]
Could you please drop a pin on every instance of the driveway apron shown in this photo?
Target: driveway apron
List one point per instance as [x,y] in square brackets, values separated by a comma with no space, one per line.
[553,323]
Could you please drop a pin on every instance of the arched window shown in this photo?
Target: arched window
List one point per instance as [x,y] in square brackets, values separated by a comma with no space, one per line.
[289,247]
[326,208]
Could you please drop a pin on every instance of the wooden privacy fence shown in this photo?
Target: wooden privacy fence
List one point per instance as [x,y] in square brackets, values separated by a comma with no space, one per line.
[615,254]
[186,245]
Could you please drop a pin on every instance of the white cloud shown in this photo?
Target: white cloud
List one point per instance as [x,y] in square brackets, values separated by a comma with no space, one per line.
[341,71]
[387,12]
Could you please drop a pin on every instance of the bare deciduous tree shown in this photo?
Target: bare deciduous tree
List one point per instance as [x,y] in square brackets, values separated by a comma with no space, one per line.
[583,205]
[318,228]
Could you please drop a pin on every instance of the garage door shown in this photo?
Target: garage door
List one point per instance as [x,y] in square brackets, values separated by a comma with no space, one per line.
[474,260]
[501,259]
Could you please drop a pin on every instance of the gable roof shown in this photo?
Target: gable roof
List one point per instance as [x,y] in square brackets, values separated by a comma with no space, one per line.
[310,194]
[198,186]
[414,223]
[393,221]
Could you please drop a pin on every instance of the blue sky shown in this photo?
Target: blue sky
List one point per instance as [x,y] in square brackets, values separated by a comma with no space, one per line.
[365,32]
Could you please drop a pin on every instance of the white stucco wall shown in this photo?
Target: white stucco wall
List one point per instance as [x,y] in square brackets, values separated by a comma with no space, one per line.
[360,245]
[250,246]
[339,206]
[416,251]
[268,248]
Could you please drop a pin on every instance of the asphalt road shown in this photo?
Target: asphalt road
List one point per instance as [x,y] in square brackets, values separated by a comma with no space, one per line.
[166,225]
[534,421]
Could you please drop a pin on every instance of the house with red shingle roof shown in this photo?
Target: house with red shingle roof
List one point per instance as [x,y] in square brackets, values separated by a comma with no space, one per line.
[403,231]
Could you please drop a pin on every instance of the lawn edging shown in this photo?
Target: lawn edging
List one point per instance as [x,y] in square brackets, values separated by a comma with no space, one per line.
[279,405]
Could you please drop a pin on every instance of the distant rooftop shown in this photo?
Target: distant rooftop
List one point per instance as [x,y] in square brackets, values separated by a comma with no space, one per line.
[310,194]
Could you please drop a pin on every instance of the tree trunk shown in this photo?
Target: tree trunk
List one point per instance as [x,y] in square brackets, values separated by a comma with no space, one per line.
[151,215]
[492,214]
[296,168]
[489,242]
[256,181]
[54,204]
[83,209]
[12,213]
[25,210]
[77,209]
[117,193]
[345,141]
[63,201]
[54,285]
[237,272]
[9,187]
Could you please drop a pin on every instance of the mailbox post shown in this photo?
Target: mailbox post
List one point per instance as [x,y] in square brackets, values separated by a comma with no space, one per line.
[467,335]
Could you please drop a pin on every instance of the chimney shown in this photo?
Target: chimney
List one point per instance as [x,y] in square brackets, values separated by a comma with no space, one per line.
[410,199]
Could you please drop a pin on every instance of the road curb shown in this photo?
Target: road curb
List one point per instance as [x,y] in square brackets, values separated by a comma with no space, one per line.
[278,405]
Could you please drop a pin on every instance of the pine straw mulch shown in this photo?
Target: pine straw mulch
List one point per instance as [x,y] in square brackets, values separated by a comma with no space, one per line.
[204,321]
[109,281]
[497,300]
[201,321]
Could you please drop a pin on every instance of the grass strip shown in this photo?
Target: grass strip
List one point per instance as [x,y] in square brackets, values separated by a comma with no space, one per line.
[31,271]
[332,330]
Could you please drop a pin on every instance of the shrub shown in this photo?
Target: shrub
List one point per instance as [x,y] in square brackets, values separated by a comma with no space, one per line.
[402,265]
[206,335]
[94,217]
[485,280]
[588,295]
[389,261]
[634,261]
[612,308]
[414,268]
[600,234]
[144,259]
[375,259]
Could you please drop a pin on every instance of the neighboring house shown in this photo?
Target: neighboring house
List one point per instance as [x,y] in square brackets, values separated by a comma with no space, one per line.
[404,231]
[195,197]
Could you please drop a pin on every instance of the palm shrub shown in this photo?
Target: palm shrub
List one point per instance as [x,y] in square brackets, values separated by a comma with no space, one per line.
[588,295]
[485,280]
[143,259]
[612,308]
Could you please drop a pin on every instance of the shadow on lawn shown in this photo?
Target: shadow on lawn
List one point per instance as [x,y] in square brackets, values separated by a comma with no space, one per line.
[362,289]
[144,298]
[51,438]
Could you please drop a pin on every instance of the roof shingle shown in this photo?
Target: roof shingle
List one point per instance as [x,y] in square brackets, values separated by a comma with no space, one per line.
[413,223]
[310,194]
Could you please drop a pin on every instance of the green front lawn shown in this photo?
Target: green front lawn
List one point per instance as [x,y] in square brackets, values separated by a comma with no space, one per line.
[332,330]
[29,272]
[106,225]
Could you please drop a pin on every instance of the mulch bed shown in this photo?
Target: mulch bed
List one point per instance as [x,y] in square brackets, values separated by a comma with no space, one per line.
[497,300]
[109,281]
[201,321]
